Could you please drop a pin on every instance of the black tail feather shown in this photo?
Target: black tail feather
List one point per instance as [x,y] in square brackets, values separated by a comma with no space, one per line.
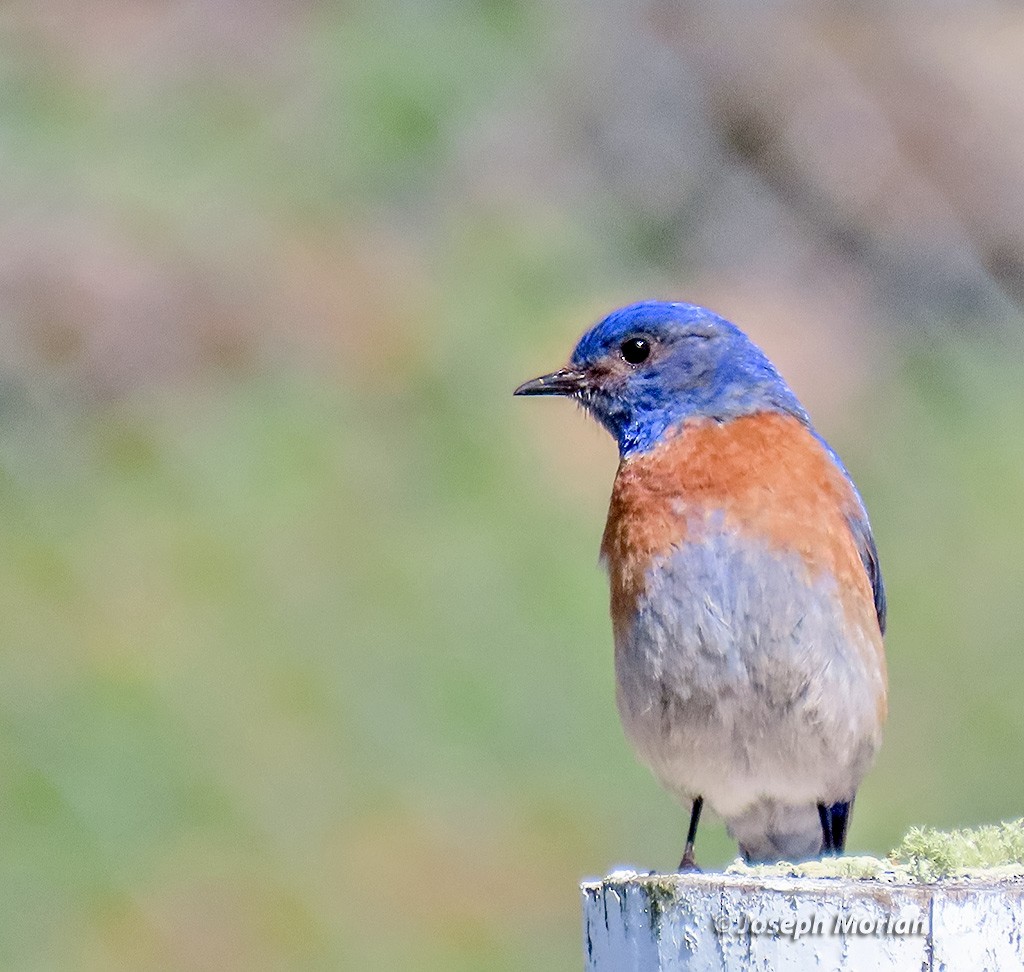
[835,819]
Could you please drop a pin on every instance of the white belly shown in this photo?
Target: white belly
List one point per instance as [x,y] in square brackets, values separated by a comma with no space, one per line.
[741,679]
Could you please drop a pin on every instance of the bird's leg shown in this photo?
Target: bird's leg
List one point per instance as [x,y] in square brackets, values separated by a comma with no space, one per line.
[688,863]
[827,842]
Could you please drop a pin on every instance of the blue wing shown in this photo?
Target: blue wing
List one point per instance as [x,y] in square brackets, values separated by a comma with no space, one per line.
[861,530]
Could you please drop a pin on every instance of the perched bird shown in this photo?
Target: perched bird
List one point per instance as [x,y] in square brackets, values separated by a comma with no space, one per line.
[746,598]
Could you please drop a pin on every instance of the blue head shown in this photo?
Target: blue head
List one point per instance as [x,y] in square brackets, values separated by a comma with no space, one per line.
[648,367]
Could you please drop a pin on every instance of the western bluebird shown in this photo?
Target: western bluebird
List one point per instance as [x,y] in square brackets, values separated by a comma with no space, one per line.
[746,598]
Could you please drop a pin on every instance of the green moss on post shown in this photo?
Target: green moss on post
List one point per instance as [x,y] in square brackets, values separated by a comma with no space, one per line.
[932,854]
[993,852]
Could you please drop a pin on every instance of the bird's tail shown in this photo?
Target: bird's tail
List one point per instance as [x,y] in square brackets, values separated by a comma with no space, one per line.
[770,831]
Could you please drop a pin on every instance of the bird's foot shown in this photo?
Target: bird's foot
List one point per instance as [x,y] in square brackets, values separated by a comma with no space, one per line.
[688,865]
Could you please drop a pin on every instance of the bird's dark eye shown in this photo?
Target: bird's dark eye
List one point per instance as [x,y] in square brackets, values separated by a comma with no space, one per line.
[636,350]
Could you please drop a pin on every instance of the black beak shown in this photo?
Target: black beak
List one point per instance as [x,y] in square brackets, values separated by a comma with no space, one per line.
[565,381]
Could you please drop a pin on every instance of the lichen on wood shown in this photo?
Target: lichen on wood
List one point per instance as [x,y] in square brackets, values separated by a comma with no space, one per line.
[991,852]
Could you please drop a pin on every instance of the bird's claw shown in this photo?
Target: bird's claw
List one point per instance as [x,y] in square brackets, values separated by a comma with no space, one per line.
[688,865]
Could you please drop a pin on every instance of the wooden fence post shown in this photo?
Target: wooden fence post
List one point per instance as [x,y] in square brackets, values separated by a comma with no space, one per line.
[742,923]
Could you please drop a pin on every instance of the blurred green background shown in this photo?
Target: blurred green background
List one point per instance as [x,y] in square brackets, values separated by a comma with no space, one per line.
[306,661]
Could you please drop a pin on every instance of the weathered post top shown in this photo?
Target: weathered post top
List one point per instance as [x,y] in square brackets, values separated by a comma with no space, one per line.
[941,901]
[732,923]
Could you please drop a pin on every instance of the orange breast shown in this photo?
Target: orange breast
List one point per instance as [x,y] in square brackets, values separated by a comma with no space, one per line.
[763,475]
